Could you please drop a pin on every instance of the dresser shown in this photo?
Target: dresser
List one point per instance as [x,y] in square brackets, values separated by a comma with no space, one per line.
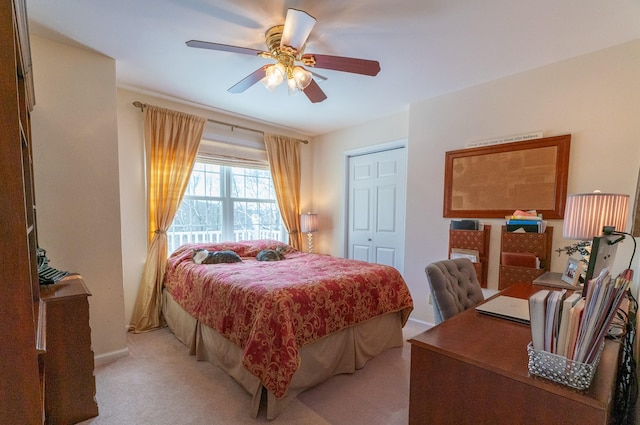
[70,387]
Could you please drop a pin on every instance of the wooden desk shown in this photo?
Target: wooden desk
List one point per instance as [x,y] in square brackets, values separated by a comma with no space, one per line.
[472,369]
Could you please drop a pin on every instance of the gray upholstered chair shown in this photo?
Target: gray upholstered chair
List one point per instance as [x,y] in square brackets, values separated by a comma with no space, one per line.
[454,287]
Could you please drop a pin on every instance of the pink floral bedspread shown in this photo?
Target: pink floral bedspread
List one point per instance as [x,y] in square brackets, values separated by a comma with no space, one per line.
[273,308]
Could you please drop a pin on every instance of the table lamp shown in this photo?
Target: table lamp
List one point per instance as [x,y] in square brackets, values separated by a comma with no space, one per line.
[590,214]
[309,225]
[593,218]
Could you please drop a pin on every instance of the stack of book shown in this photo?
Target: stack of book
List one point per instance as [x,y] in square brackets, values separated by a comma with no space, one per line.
[566,324]
[525,221]
[465,224]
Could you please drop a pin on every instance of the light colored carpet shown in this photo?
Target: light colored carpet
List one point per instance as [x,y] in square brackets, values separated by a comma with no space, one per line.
[159,383]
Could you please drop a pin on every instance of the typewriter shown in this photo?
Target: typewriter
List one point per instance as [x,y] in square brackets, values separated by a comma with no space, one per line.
[47,275]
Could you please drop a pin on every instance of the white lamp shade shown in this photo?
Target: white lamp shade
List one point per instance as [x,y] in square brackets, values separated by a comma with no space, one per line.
[309,223]
[587,213]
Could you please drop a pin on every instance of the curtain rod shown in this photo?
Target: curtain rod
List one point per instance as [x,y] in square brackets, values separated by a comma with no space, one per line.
[141,105]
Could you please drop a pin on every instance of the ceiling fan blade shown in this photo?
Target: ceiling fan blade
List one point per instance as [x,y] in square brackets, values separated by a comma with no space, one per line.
[297,27]
[314,92]
[223,47]
[318,76]
[340,63]
[249,80]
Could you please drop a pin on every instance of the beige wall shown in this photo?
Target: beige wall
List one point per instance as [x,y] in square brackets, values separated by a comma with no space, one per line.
[75,151]
[329,163]
[594,97]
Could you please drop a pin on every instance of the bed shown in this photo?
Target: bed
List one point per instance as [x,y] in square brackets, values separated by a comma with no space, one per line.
[280,327]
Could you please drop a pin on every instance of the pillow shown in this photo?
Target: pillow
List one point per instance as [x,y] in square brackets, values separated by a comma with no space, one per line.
[202,256]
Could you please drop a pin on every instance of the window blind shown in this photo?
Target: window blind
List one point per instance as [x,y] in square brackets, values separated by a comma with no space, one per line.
[221,153]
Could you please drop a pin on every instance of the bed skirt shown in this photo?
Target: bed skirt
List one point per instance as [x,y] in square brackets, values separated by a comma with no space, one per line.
[343,351]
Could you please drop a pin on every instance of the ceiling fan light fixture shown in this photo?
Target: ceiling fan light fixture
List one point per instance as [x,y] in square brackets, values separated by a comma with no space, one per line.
[292,85]
[274,76]
[302,77]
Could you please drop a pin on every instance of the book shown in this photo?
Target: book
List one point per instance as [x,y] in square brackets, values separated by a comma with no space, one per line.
[464,224]
[591,314]
[537,309]
[524,215]
[565,319]
[602,300]
[529,228]
[602,305]
[575,317]
[521,222]
[556,320]
[609,311]
[542,226]
[551,312]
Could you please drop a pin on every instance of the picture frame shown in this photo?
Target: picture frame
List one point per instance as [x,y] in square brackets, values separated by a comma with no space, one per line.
[571,274]
[494,181]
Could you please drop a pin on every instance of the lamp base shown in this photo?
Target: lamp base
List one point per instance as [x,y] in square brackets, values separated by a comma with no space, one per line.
[310,242]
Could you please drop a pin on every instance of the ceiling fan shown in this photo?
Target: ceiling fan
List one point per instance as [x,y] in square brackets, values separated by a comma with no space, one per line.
[286,45]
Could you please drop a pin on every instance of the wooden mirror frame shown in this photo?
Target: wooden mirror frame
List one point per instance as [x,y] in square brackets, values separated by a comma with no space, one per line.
[635,213]
[551,207]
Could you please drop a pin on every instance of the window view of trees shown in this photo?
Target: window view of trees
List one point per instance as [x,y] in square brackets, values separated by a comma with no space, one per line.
[225,203]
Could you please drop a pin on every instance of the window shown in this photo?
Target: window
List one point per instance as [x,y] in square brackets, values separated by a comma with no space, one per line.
[226,203]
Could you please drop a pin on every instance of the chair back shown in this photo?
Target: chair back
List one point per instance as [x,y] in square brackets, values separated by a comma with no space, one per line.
[454,287]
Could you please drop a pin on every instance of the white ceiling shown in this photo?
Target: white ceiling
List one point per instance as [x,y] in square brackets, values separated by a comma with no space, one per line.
[425,47]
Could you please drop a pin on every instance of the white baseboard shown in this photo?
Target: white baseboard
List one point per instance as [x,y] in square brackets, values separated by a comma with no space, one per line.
[417,322]
[110,357]
[487,293]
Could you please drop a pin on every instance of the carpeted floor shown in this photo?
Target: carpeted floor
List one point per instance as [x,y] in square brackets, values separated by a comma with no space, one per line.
[159,383]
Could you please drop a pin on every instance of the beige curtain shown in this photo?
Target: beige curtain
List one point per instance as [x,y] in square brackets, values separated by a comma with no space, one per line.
[171,144]
[284,162]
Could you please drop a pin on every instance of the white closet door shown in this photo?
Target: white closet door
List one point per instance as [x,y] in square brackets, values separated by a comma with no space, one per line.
[377,198]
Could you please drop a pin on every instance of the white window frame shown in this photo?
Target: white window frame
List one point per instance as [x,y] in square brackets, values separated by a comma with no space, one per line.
[227,233]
